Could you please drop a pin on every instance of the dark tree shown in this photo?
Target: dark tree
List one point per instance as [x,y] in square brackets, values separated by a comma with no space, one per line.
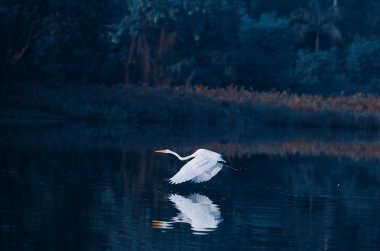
[315,24]
[22,23]
[267,53]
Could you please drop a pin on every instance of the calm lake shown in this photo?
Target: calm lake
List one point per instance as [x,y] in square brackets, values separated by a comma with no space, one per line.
[101,187]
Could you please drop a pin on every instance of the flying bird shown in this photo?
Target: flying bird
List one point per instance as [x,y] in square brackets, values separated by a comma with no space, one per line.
[204,165]
[197,210]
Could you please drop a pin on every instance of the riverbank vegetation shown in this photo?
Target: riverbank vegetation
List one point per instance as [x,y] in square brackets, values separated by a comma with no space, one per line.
[230,106]
[299,63]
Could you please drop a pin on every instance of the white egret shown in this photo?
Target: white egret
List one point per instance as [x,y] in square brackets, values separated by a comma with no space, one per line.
[197,210]
[204,165]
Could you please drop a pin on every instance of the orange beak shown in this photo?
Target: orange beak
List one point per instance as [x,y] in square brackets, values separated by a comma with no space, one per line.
[160,151]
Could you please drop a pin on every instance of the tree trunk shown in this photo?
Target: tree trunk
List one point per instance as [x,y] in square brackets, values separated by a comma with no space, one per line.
[146,60]
[165,43]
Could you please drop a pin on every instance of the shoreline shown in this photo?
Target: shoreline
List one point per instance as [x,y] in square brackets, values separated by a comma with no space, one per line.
[223,107]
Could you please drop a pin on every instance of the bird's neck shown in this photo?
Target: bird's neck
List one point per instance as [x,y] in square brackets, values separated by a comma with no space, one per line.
[182,158]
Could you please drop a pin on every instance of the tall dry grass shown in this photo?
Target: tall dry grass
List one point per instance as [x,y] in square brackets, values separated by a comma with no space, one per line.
[358,103]
[230,106]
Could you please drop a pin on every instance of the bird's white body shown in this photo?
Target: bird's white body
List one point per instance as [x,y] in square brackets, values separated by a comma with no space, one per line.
[204,165]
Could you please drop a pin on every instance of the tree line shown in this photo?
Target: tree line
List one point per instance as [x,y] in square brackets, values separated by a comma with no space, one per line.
[321,46]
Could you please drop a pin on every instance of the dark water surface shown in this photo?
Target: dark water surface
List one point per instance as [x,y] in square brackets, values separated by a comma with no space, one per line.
[96,188]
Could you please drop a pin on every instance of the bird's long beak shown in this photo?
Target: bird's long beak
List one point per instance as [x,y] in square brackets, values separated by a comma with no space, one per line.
[160,151]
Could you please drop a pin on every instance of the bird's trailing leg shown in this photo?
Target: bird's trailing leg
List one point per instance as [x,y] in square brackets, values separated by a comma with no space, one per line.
[233,168]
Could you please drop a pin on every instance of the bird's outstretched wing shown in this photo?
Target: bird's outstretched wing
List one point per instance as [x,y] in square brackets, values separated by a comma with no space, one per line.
[192,169]
[208,174]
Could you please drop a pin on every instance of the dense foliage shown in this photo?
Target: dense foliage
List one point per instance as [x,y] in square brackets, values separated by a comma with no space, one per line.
[322,46]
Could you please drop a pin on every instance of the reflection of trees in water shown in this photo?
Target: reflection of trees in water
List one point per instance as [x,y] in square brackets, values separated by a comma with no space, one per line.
[326,193]
[309,203]
[111,195]
[353,150]
[229,142]
[52,200]
[79,199]
[312,220]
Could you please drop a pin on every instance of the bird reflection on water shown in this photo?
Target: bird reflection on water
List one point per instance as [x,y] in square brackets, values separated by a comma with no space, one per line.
[197,210]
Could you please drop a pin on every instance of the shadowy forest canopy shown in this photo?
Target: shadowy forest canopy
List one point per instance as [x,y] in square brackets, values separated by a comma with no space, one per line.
[316,46]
